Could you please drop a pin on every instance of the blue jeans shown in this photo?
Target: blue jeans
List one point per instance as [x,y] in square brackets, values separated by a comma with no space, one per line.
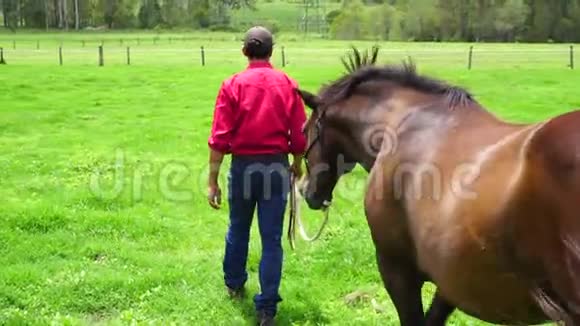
[264,183]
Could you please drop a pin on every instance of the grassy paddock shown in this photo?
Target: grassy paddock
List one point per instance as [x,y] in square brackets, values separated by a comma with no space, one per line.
[223,48]
[103,213]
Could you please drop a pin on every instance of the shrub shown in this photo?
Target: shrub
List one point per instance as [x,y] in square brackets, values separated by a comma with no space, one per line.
[331,16]
[351,23]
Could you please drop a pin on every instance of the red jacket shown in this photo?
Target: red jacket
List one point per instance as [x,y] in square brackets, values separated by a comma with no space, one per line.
[258,111]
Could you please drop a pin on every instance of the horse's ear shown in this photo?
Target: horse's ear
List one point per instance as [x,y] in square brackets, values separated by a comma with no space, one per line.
[312,101]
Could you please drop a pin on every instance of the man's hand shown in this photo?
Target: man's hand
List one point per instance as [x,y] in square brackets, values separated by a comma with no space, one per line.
[214,196]
[296,167]
[214,193]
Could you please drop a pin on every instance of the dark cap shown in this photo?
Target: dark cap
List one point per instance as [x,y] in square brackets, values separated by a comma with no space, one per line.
[260,37]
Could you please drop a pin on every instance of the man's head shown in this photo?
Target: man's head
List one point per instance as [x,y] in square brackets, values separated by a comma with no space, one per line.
[258,43]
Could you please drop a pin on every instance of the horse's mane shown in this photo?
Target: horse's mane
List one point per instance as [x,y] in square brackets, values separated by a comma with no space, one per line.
[361,68]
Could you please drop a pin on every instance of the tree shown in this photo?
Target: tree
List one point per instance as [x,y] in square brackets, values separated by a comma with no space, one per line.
[236,4]
[465,20]
[423,23]
[380,21]
[540,20]
[65,14]
[173,12]
[149,14]
[567,27]
[352,23]
[199,13]
[396,26]
[332,15]
[46,15]
[118,13]
[10,13]
[510,19]
[77,18]
[483,26]
[58,7]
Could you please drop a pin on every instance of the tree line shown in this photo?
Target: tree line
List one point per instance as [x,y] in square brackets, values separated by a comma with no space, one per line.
[458,20]
[408,20]
[118,14]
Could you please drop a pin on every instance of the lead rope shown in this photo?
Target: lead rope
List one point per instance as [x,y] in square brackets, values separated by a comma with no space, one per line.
[292,217]
[295,217]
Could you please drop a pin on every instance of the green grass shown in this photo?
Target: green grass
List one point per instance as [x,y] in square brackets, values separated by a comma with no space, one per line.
[172,48]
[151,253]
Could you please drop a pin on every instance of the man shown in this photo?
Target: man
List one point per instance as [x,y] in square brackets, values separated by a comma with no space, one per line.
[258,119]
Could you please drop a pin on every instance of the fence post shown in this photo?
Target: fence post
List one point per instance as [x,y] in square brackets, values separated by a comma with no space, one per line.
[101,59]
[128,56]
[83,42]
[2,62]
[37,44]
[470,58]
[60,55]
[571,56]
[14,44]
[202,56]
[283,57]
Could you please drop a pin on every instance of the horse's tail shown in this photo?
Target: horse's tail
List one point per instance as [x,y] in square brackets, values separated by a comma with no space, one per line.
[555,166]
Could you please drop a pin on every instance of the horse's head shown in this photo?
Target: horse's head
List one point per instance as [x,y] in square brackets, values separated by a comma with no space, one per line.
[320,178]
[325,157]
[360,115]
[328,155]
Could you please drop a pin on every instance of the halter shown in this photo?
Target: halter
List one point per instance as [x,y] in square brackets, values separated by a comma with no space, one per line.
[317,138]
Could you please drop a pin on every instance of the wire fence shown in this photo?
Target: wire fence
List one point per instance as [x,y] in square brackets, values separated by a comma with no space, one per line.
[171,52]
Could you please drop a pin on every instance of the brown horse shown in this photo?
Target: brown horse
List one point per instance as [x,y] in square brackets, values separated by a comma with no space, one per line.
[485,209]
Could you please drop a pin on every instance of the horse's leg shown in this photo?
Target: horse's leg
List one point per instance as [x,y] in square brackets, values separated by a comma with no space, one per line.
[439,311]
[403,283]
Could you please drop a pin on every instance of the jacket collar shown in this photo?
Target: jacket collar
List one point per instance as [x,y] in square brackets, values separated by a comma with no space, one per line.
[259,64]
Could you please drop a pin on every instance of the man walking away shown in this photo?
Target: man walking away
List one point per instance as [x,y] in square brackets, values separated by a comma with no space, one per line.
[258,119]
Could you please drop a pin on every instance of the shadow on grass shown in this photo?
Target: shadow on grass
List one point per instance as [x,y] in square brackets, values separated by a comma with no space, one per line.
[306,312]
